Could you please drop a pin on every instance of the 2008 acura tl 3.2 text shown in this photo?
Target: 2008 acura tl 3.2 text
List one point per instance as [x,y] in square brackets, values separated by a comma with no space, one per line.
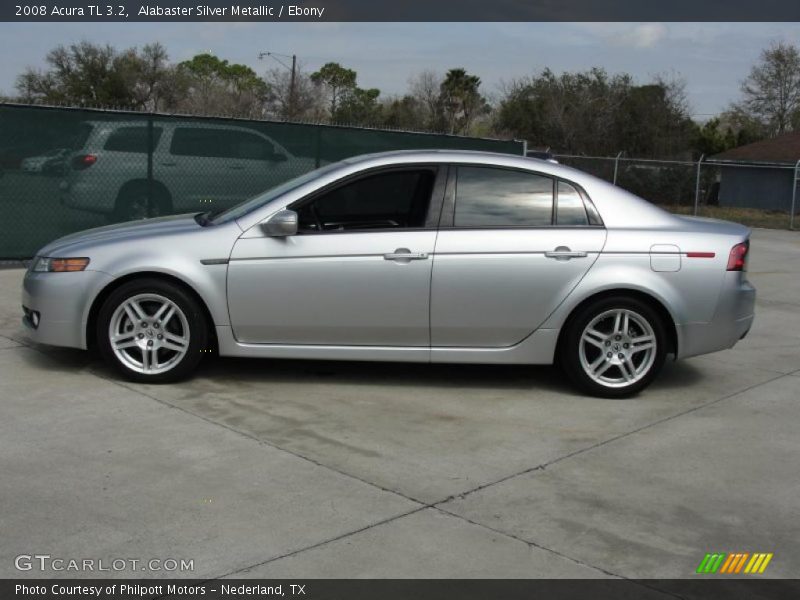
[434,256]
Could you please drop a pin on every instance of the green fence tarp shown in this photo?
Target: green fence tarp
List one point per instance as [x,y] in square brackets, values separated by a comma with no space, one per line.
[65,169]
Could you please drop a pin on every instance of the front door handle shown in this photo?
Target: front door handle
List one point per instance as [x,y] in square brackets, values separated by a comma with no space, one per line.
[405,255]
[564,253]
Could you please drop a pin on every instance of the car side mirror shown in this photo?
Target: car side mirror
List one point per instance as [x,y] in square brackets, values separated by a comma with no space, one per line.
[282,224]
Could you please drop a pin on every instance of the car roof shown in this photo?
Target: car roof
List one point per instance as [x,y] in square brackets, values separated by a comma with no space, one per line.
[617,207]
[477,157]
[175,123]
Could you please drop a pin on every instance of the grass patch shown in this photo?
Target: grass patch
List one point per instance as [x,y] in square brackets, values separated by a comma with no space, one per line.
[752,217]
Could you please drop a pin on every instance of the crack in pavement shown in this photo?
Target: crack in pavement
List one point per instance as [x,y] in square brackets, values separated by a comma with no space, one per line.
[545,465]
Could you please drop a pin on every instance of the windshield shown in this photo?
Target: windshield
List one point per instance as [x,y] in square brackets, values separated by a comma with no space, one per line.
[271,194]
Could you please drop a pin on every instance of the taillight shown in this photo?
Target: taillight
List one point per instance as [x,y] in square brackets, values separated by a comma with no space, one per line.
[83,161]
[738,257]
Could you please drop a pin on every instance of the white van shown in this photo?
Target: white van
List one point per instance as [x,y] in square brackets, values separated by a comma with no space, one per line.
[196,167]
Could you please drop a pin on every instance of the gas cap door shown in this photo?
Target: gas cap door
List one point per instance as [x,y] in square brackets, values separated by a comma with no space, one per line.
[665,258]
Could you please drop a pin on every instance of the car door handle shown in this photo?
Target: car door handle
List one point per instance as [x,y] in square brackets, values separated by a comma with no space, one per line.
[405,255]
[236,167]
[168,164]
[564,253]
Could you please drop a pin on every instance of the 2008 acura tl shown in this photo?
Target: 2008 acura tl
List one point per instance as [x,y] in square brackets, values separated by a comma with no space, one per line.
[434,256]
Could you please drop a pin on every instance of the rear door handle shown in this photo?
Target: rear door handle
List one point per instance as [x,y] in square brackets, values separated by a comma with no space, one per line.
[564,253]
[168,164]
[405,255]
[236,167]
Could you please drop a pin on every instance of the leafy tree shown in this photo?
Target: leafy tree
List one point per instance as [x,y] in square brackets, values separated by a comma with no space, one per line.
[593,113]
[217,86]
[404,112]
[83,73]
[153,82]
[337,81]
[359,106]
[460,100]
[713,137]
[772,90]
[652,120]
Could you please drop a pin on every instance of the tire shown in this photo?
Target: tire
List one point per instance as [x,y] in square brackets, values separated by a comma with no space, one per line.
[132,204]
[598,330]
[161,309]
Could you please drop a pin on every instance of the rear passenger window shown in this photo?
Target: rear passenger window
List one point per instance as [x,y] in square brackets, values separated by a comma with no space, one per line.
[570,209]
[492,197]
[131,139]
[220,143]
[196,141]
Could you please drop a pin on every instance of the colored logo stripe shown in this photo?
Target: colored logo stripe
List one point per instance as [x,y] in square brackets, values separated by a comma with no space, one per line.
[734,562]
[711,563]
[758,564]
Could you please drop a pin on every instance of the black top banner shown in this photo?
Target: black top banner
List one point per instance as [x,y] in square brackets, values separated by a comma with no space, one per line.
[403,10]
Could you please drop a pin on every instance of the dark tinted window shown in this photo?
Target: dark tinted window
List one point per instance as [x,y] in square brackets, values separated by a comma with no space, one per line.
[570,209]
[390,200]
[491,197]
[131,139]
[79,139]
[220,143]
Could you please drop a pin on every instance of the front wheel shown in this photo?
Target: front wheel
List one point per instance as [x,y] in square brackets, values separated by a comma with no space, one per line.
[152,331]
[614,347]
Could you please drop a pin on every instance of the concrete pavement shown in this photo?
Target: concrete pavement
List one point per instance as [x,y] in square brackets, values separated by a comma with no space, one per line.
[312,469]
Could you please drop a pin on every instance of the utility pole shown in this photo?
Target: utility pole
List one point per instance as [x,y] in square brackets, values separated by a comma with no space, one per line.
[292,81]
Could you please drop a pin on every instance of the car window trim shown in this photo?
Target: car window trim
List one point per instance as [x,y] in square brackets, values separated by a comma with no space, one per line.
[447,220]
[441,173]
[158,132]
[556,206]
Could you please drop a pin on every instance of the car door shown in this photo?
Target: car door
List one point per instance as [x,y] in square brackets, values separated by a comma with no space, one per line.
[357,273]
[512,246]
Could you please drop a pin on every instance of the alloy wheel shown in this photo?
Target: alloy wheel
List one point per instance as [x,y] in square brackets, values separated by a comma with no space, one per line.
[617,348]
[149,334]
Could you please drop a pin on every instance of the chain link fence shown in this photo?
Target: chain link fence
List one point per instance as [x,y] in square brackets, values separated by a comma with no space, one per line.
[758,194]
[63,170]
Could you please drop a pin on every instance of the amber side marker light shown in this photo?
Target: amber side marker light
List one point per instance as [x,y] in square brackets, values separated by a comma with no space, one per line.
[60,265]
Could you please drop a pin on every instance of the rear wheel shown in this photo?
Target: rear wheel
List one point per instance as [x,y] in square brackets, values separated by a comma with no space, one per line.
[133,204]
[152,331]
[614,347]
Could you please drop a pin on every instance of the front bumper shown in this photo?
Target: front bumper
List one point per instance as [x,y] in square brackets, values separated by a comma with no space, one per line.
[62,302]
[732,320]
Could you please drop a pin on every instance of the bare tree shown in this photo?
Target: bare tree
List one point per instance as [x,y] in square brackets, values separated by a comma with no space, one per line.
[305,104]
[425,88]
[772,90]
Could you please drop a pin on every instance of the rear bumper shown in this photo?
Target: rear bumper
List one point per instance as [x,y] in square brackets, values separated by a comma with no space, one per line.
[732,320]
[86,197]
[62,302]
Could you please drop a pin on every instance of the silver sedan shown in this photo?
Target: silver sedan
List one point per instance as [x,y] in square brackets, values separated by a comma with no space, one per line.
[434,256]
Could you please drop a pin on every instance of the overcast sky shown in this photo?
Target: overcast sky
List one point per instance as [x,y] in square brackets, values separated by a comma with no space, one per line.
[713,58]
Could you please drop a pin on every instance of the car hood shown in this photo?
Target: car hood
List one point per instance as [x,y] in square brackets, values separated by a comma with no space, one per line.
[148,228]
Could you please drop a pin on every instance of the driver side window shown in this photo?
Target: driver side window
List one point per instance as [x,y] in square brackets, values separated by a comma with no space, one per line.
[395,199]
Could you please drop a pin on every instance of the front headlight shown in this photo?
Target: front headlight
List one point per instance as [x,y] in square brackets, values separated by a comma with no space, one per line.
[45,264]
